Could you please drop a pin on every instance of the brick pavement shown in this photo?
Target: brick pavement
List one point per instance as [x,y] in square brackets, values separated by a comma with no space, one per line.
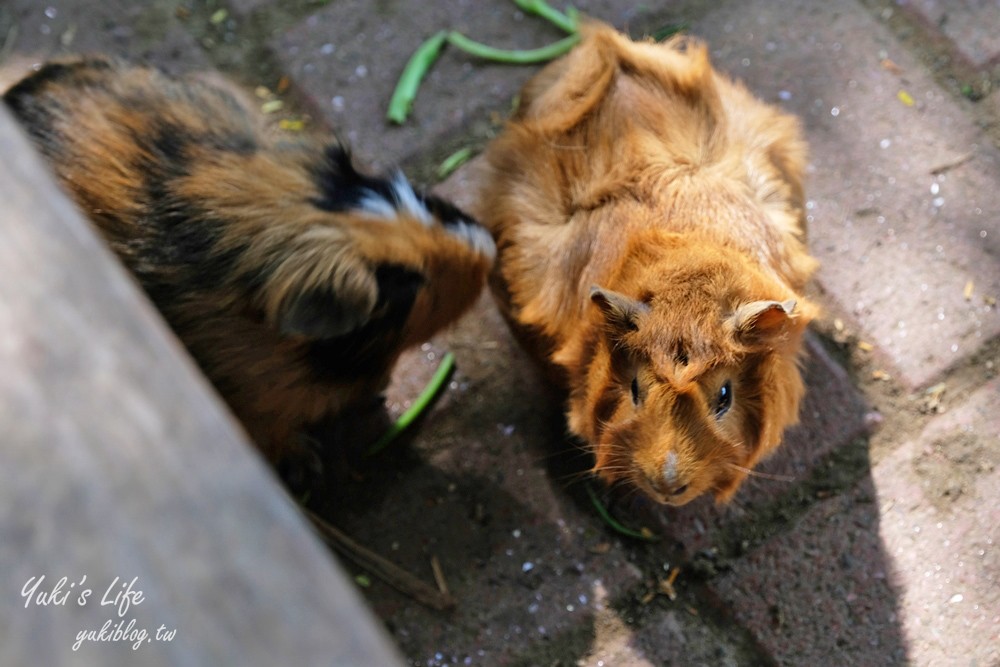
[881,546]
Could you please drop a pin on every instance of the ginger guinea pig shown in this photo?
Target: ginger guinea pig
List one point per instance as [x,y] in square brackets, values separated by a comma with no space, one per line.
[648,215]
[294,280]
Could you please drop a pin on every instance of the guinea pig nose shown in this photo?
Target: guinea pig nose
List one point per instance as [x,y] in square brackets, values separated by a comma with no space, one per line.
[672,482]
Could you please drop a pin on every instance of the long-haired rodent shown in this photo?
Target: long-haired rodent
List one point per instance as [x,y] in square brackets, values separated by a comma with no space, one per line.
[294,280]
[648,214]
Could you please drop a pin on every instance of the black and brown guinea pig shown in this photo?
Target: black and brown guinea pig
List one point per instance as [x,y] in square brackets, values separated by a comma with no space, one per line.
[294,280]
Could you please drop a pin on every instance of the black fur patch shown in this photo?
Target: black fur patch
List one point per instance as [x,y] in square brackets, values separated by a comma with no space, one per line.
[240,144]
[341,186]
[180,241]
[747,393]
[29,103]
[32,85]
[362,352]
[169,145]
[605,407]
[445,211]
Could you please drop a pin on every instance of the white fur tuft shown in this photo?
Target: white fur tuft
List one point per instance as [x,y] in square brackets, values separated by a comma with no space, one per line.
[401,200]
[375,204]
[475,236]
[407,200]
[670,469]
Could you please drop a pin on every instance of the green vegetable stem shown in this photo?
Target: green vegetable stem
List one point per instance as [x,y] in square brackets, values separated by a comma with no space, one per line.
[413,74]
[453,162]
[565,22]
[419,406]
[515,57]
[425,55]
[644,534]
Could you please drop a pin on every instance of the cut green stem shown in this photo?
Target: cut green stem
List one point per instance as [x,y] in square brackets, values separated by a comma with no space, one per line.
[418,65]
[419,406]
[427,53]
[453,162]
[516,57]
[565,22]
[645,534]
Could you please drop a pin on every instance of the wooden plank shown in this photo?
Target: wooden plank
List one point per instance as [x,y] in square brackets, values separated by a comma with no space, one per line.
[118,461]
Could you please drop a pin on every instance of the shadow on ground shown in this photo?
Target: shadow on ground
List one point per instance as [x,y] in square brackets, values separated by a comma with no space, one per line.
[490,486]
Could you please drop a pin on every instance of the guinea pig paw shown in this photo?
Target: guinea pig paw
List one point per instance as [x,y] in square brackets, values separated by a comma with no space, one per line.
[301,469]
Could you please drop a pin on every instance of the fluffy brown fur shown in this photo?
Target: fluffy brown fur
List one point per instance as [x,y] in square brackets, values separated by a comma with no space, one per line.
[294,280]
[648,213]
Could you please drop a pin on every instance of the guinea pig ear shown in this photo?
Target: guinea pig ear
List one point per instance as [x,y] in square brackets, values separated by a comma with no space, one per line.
[760,319]
[621,313]
[349,302]
[319,314]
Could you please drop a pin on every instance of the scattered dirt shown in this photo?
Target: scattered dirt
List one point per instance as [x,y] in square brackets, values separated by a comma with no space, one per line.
[948,468]
[953,72]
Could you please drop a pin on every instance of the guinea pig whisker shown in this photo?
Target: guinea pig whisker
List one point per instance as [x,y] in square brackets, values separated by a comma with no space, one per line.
[763,475]
[614,469]
[570,479]
[572,453]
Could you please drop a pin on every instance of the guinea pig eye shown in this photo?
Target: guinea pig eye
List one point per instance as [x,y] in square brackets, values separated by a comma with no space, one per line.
[723,400]
[635,391]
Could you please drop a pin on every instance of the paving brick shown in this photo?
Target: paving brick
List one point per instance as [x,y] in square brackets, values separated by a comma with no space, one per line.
[903,569]
[898,241]
[244,7]
[145,32]
[673,636]
[349,61]
[679,637]
[990,114]
[970,26]
[940,502]
[822,593]
[349,55]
